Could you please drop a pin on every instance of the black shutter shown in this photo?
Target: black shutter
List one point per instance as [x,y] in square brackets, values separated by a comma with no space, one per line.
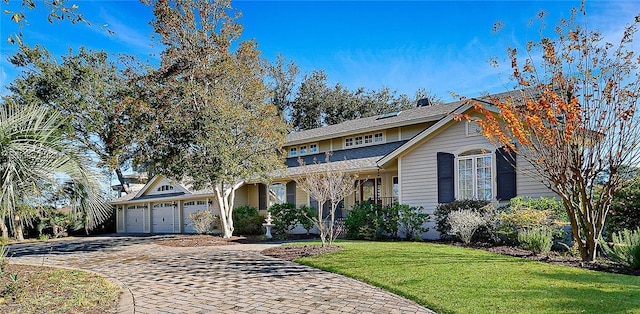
[445,178]
[262,196]
[291,192]
[505,174]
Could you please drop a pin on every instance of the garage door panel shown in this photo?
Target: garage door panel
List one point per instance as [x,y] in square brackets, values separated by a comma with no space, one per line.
[190,208]
[134,219]
[162,218]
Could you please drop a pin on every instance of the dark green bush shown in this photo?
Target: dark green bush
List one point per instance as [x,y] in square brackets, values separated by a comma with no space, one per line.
[247,221]
[285,218]
[412,220]
[483,234]
[304,217]
[372,222]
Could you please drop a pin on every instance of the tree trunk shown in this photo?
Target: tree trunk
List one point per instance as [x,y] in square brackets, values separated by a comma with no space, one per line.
[5,231]
[226,198]
[17,233]
[123,181]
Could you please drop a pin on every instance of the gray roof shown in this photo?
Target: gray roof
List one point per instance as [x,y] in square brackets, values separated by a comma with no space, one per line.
[406,117]
[347,154]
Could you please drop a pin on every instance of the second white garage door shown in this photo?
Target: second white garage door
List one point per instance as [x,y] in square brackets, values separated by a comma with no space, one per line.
[162,218]
[134,219]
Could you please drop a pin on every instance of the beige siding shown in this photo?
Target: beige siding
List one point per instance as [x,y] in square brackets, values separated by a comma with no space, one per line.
[392,135]
[409,131]
[252,195]
[242,196]
[301,198]
[325,146]
[418,168]
[337,143]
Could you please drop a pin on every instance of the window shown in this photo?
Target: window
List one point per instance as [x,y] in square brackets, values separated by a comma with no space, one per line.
[378,138]
[293,151]
[277,194]
[313,148]
[201,202]
[189,203]
[358,140]
[348,142]
[475,177]
[165,188]
[157,205]
[396,189]
[473,129]
[303,149]
[368,138]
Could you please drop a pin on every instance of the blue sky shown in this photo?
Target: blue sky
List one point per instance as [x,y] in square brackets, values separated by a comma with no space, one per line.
[442,46]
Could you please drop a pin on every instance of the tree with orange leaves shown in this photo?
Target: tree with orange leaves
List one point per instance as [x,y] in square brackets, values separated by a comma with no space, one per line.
[573,117]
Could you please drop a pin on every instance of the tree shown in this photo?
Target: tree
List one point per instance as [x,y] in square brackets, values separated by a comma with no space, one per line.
[103,111]
[317,104]
[573,117]
[326,182]
[283,78]
[212,123]
[33,154]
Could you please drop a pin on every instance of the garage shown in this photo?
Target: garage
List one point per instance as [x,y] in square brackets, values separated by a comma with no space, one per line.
[134,219]
[162,218]
[190,208]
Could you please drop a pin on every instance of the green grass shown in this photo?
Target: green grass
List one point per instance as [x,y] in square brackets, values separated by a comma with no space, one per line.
[452,279]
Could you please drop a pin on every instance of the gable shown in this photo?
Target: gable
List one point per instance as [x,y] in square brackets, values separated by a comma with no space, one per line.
[161,186]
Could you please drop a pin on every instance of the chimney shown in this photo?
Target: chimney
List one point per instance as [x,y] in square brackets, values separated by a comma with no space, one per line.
[423,102]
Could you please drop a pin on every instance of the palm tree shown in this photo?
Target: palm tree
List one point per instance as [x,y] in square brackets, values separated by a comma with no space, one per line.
[33,153]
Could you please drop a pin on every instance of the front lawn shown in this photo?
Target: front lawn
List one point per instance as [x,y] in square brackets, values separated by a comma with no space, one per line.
[451,279]
[34,289]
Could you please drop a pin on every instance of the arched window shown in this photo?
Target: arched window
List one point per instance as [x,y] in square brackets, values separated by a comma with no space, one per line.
[474,173]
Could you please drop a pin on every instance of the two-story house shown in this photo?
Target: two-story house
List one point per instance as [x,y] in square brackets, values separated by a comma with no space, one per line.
[419,157]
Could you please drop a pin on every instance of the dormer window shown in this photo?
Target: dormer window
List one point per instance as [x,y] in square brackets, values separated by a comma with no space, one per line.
[378,137]
[364,140]
[358,140]
[313,148]
[368,139]
[165,188]
[303,150]
[293,151]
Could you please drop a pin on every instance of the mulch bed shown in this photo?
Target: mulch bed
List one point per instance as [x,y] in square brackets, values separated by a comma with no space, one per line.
[198,240]
[290,253]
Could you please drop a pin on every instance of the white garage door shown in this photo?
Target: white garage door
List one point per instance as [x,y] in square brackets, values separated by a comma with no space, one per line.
[135,219]
[162,218]
[190,208]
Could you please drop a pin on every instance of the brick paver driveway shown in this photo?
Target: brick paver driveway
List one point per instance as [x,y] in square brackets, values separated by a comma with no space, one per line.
[220,279]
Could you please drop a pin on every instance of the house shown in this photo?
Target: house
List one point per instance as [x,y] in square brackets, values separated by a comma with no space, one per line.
[419,157]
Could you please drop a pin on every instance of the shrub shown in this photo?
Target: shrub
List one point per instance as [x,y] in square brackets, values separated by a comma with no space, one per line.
[285,218]
[626,248]
[372,221]
[304,217]
[247,221]
[412,220]
[531,213]
[625,209]
[537,240]
[483,234]
[464,223]
[204,221]
[362,221]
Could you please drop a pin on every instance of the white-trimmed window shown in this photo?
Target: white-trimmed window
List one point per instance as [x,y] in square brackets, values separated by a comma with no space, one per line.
[358,140]
[201,202]
[368,139]
[378,137]
[277,194]
[303,150]
[165,188]
[473,129]
[475,176]
[293,151]
[348,142]
[313,148]
[189,203]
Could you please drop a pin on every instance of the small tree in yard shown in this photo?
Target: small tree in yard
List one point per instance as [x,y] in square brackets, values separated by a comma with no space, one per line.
[575,117]
[328,182]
